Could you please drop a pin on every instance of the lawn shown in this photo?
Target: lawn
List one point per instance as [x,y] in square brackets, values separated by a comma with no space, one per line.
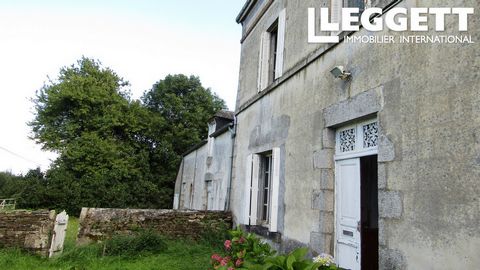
[180,254]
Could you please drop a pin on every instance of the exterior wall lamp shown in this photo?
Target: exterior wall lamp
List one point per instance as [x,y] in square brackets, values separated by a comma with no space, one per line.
[339,72]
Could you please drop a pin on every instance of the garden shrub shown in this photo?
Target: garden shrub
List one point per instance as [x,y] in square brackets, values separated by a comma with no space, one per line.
[131,245]
[241,249]
[247,251]
[296,260]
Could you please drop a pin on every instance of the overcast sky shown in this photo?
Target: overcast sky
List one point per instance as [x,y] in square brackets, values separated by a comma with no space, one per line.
[141,40]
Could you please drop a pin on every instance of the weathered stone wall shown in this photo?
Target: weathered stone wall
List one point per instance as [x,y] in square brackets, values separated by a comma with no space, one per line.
[426,99]
[29,230]
[100,223]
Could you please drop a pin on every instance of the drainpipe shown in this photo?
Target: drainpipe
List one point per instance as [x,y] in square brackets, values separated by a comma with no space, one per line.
[233,132]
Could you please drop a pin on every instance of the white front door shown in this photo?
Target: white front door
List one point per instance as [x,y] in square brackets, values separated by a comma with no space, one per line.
[348,213]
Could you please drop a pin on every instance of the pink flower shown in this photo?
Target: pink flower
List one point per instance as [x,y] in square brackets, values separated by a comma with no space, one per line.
[228,244]
[238,263]
[216,257]
[242,240]
[225,261]
[230,268]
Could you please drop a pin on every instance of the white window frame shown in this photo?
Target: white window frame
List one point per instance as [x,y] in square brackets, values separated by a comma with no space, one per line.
[359,150]
[252,190]
[265,175]
[264,53]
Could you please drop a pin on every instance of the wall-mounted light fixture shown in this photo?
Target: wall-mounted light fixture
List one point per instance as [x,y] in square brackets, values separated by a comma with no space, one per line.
[339,72]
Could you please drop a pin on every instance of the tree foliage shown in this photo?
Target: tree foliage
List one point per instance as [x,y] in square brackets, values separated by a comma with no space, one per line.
[10,185]
[114,151]
[186,107]
[28,189]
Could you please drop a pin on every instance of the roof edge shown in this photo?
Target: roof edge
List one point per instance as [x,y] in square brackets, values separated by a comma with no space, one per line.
[221,130]
[245,9]
[225,114]
[195,147]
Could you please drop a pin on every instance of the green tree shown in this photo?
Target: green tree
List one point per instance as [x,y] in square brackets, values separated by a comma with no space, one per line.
[28,189]
[10,185]
[84,99]
[186,107]
[33,190]
[100,134]
[115,151]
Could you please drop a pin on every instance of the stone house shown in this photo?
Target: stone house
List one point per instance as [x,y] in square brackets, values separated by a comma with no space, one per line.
[204,176]
[380,169]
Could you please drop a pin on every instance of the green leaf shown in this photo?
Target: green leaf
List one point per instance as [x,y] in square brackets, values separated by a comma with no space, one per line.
[300,253]
[277,260]
[290,260]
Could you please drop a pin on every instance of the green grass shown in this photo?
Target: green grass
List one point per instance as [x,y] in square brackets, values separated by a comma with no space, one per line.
[180,254]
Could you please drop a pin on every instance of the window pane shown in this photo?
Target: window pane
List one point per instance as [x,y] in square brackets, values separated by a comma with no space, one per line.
[264,186]
[273,51]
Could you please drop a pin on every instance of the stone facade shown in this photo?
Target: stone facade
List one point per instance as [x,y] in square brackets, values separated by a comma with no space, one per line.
[28,230]
[426,100]
[97,224]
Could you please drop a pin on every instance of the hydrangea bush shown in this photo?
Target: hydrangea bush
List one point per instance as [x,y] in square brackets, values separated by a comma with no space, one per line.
[239,249]
[326,261]
[247,251]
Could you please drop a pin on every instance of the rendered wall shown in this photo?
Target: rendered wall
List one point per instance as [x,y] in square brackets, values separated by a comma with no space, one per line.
[428,105]
[198,167]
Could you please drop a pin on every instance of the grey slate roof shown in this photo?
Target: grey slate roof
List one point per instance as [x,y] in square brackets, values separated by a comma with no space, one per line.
[225,114]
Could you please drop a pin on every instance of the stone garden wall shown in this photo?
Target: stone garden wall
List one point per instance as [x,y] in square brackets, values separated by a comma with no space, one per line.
[100,223]
[28,230]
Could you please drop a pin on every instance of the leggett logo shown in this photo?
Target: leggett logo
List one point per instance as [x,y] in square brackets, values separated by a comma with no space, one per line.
[396,19]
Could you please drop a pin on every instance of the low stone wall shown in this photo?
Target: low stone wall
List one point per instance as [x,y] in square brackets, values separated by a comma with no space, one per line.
[97,224]
[28,230]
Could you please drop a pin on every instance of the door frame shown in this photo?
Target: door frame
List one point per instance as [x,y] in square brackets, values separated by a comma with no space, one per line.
[358,152]
[337,229]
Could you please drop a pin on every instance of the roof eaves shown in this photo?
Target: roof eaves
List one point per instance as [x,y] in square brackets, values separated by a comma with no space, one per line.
[245,9]
[229,115]
[195,147]
[221,130]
